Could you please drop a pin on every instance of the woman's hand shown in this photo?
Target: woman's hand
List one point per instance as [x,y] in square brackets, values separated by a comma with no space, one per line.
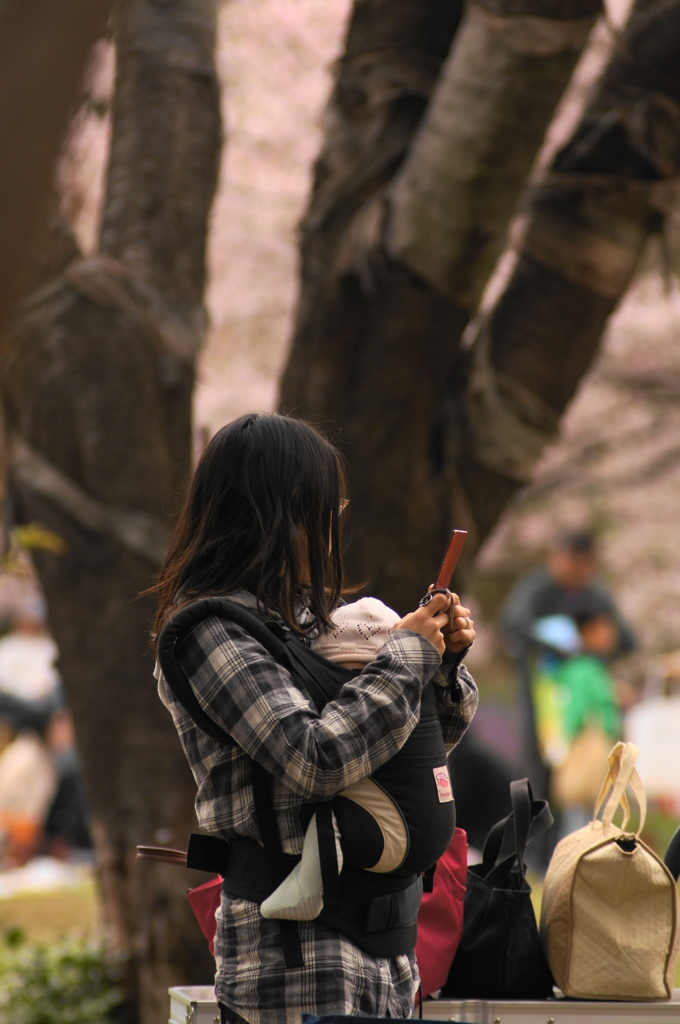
[459,631]
[430,620]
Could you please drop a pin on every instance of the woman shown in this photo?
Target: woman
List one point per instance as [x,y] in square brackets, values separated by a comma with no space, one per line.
[261,524]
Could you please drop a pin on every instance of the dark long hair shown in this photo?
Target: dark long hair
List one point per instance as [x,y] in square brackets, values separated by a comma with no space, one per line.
[264,482]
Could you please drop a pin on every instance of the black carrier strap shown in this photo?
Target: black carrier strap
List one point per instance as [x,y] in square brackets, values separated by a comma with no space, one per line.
[263,786]
[328,856]
[320,679]
[377,912]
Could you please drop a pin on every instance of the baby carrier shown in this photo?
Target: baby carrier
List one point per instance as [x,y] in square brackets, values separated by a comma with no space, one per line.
[377,911]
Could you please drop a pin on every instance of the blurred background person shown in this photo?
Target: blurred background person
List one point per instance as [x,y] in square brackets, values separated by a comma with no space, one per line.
[28,781]
[42,800]
[568,585]
[576,710]
[66,833]
[28,653]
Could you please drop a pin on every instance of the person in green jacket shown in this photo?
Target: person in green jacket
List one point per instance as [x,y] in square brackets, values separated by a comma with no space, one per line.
[577,710]
[587,680]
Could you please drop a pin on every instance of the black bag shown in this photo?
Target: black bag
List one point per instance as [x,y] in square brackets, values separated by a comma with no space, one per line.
[500,954]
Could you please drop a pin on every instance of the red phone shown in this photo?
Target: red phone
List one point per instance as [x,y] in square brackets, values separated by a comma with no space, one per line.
[448,564]
[450,559]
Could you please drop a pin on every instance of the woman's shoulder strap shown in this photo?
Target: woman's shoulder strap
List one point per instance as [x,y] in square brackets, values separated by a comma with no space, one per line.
[221,607]
[320,682]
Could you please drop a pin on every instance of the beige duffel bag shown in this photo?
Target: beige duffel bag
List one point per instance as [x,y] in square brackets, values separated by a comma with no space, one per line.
[609,915]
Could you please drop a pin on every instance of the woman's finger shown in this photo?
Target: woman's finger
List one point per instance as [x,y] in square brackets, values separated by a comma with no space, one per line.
[437,602]
[462,622]
[461,633]
[459,610]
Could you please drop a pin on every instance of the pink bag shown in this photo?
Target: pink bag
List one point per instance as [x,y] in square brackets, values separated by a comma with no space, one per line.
[440,919]
[204,900]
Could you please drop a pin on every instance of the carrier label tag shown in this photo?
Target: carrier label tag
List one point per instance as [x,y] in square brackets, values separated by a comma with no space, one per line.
[443,783]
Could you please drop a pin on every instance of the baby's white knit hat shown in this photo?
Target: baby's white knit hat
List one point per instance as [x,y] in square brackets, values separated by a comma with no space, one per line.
[359,631]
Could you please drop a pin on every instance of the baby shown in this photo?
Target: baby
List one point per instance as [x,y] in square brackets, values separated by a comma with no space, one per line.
[361,629]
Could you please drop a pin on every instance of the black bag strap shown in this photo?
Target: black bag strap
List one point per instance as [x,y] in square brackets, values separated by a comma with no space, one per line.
[506,842]
[521,799]
[428,878]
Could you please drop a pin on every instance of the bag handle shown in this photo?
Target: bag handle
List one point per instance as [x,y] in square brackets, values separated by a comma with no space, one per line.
[621,774]
[521,799]
[507,840]
[165,854]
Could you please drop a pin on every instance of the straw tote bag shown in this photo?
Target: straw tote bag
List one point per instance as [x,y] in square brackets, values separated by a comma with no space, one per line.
[609,916]
[576,781]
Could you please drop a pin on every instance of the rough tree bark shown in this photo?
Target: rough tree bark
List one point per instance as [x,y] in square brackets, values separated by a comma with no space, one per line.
[587,220]
[395,252]
[43,49]
[439,432]
[97,379]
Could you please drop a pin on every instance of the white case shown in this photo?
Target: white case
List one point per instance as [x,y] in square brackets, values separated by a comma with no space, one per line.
[197,1005]
[558,1011]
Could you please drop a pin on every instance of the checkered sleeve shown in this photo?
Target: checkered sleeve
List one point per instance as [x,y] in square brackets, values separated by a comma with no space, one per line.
[458,698]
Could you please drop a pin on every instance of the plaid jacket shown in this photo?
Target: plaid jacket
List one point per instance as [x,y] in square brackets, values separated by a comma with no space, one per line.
[311,757]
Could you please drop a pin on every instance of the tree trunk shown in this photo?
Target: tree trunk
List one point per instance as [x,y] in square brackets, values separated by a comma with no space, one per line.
[453,198]
[98,376]
[406,218]
[587,221]
[43,49]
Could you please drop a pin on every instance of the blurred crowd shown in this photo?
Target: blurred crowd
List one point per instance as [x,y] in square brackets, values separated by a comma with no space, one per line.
[42,802]
[565,635]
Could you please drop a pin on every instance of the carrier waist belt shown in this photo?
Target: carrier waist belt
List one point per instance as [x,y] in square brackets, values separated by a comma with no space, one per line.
[379,913]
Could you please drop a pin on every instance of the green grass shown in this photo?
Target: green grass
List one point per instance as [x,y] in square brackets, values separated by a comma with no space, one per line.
[54,966]
[44,917]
